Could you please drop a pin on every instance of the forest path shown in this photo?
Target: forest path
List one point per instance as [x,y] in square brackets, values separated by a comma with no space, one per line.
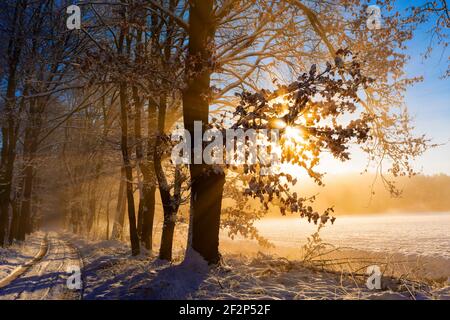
[45,276]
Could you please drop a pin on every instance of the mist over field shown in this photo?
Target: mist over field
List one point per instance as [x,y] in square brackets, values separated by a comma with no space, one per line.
[353,194]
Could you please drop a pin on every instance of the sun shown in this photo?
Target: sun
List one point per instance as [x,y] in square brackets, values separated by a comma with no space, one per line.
[293,133]
[294,142]
[294,137]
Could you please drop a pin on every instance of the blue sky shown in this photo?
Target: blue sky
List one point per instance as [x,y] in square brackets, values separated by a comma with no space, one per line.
[429,101]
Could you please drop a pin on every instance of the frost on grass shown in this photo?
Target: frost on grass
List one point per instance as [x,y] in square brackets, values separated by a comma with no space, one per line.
[111,273]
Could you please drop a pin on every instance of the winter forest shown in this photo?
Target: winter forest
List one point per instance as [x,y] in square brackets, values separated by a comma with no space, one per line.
[224,149]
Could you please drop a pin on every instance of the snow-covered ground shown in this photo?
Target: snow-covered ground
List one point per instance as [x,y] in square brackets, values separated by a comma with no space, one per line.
[425,234]
[109,272]
[19,253]
[45,275]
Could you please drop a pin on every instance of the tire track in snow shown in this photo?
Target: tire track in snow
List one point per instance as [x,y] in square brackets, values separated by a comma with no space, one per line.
[47,277]
[25,267]
[81,264]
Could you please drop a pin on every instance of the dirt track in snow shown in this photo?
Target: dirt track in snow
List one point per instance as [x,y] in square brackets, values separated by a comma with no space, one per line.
[45,276]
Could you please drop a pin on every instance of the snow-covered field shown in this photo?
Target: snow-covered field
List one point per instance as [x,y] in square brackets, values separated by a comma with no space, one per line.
[109,272]
[424,234]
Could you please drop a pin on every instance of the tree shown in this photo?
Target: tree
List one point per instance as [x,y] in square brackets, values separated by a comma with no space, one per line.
[37,73]
[436,13]
[10,111]
[206,185]
[379,97]
[103,99]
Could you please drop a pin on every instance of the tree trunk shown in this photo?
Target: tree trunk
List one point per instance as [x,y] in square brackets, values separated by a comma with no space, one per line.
[10,130]
[13,230]
[107,214]
[149,181]
[140,216]
[92,212]
[124,114]
[119,218]
[148,213]
[165,251]
[107,224]
[25,212]
[30,147]
[138,106]
[206,184]
[169,209]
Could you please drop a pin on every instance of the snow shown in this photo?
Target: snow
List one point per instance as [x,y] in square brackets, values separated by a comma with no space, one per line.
[109,272]
[179,281]
[45,278]
[424,235]
[19,253]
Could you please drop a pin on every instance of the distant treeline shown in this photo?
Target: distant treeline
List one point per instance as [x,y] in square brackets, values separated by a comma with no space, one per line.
[352,194]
